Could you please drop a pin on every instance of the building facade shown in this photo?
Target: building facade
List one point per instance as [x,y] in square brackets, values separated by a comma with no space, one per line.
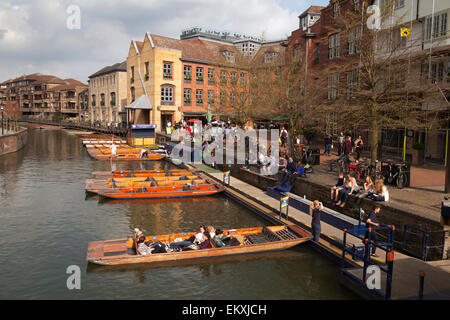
[44,96]
[203,75]
[328,43]
[108,95]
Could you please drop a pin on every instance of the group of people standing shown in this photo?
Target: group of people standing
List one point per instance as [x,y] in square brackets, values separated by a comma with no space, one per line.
[345,145]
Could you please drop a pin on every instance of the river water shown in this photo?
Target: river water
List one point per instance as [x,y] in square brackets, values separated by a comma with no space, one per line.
[47,223]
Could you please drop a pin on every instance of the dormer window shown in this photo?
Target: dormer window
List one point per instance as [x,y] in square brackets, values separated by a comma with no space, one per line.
[269,56]
[229,55]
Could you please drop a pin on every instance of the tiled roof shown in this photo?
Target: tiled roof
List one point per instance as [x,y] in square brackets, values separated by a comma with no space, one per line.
[139,45]
[38,79]
[258,60]
[312,9]
[120,66]
[197,49]
[69,84]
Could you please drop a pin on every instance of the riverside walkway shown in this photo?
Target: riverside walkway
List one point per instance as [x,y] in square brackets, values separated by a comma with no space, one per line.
[406,270]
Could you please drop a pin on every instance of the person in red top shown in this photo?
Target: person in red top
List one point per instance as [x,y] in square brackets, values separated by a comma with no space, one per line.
[347,148]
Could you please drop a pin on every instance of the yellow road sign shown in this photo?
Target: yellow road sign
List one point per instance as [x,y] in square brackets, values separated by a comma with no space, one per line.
[405,32]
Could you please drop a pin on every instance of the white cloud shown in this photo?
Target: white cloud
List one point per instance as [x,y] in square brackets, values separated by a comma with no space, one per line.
[34,36]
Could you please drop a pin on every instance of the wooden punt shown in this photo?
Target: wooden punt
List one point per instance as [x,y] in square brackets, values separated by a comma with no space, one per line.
[140,173]
[252,240]
[142,184]
[95,187]
[187,176]
[162,192]
[122,155]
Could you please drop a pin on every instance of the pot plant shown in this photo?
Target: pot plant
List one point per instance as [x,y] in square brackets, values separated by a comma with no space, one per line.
[418,153]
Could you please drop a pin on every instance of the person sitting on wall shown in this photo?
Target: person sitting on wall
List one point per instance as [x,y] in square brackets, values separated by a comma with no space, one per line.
[286,173]
[271,167]
[381,192]
[300,170]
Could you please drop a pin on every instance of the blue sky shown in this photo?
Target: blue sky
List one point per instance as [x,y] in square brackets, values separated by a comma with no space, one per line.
[34,36]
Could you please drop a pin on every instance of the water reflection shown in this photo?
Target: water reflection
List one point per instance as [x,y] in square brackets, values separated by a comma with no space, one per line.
[43,200]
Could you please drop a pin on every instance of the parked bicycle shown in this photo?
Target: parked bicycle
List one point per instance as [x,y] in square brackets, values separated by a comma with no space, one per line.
[307,159]
[395,173]
[342,163]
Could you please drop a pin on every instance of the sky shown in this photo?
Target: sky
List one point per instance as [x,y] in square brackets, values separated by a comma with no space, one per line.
[76,38]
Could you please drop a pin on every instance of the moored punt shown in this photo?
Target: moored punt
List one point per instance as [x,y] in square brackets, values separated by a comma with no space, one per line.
[122,154]
[251,240]
[96,186]
[162,192]
[140,173]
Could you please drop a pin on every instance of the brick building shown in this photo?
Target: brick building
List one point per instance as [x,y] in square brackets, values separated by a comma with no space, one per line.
[202,75]
[331,48]
[41,96]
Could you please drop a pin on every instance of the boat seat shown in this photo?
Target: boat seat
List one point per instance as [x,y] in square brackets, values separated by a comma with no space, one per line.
[256,238]
[270,235]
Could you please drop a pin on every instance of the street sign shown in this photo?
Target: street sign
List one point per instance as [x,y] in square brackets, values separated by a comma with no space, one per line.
[284,203]
[405,32]
[226,175]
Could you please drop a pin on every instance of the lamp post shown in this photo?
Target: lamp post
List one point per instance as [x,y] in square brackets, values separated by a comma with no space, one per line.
[2,107]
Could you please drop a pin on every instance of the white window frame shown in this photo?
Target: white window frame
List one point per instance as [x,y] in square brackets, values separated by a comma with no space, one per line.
[334,46]
[167,95]
[333,82]
[167,69]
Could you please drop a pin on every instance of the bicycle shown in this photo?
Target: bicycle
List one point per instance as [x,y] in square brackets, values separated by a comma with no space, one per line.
[395,172]
[307,159]
[342,163]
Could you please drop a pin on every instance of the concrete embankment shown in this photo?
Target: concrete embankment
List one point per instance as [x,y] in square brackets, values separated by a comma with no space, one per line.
[13,141]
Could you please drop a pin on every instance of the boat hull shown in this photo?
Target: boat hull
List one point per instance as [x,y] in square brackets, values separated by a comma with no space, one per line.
[98,252]
[158,195]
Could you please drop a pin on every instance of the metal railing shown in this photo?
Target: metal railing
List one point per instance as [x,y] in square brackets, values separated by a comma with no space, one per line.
[368,242]
[9,126]
[120,131]
[423,237]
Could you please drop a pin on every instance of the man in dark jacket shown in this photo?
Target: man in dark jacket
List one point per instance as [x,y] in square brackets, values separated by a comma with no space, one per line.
[291,166]
[347,148]
[328,144]
[372,223]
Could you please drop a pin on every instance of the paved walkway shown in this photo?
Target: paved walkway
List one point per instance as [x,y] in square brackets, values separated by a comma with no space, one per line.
[6,132]
[406,269]
[423,197]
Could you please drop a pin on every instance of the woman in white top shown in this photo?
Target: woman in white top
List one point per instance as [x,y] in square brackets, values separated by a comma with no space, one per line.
[382,193]
[350,187]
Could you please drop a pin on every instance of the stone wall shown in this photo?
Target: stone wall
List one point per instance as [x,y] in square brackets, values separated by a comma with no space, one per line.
[387,216]
[13,142]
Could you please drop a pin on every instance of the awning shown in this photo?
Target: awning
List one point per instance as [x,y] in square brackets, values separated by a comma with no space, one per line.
[141,103]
